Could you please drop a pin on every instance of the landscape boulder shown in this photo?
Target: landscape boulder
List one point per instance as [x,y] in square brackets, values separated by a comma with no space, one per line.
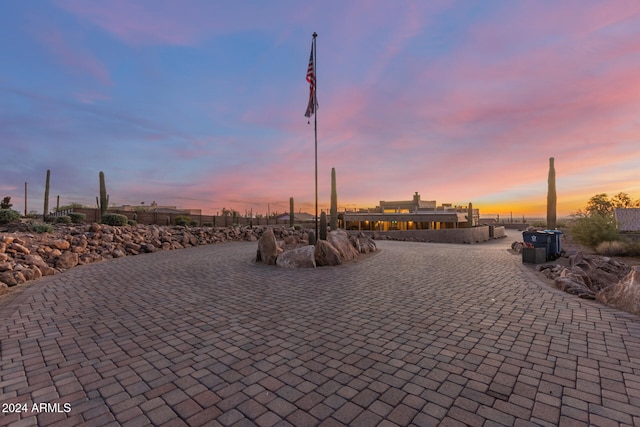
[19,247]
[32,273]
[67,260]
[268,249]
[625,294]
[339,248]
[35,259]
[340,240]
[517,246]
[363,243]
[326,254]
[574,286]
[597,278]
[60,244]
[302,257]
[12,278]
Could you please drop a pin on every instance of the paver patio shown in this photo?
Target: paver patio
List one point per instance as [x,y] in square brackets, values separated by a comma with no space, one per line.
[417,334]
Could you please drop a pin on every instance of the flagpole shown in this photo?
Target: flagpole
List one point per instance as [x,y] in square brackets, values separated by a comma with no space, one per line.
[315,125]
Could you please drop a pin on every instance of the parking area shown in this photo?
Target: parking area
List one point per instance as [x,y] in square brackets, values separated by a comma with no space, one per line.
[416,334]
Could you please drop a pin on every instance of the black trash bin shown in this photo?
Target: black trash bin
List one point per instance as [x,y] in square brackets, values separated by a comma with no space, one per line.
[538,239]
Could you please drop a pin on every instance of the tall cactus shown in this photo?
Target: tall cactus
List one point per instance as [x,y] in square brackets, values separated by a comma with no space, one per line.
[334,201]
[104,197]
[46,196]
[551,196]
[470,215]
[291,212]
[323,226]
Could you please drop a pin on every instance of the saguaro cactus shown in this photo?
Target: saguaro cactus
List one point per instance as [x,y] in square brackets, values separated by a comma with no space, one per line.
[551,196]
[470,215]
[46,196]
[334,201]
[291,212]
[104,197]
[323,226]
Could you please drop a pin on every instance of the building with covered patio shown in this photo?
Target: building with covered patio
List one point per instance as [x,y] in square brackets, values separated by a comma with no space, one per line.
[415,214]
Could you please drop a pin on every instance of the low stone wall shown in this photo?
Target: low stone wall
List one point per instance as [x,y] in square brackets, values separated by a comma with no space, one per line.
[451,235]
[162,218]
[516,226]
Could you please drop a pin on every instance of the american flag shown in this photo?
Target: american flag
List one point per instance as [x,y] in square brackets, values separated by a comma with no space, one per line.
[311,78]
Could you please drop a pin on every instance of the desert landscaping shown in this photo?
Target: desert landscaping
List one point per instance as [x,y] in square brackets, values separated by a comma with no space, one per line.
[26,255]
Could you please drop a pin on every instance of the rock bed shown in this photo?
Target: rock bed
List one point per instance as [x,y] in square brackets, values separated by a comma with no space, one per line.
[598,278]
[26,256]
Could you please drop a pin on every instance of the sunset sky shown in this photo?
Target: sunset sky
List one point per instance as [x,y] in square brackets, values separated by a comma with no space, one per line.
[200,104]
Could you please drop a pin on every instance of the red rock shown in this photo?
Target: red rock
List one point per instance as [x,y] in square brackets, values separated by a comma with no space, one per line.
[67,260]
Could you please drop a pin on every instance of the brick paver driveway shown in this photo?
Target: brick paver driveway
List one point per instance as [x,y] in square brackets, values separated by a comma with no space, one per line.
[417,334]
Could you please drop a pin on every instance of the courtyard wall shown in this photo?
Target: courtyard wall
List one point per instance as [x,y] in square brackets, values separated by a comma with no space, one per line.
[478,234]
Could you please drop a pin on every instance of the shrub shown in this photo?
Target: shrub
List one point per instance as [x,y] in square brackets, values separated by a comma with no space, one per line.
[207,224]
[615,248]
[538,224]
[193,223]
[594,229]
[64,219]
[114,219]
[77,218]
[182,220]
[132,223]
[633,248]
[8,215]
[619,248]
[41,227]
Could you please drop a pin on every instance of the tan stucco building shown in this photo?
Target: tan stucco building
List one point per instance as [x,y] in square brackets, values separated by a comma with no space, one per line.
[415,214]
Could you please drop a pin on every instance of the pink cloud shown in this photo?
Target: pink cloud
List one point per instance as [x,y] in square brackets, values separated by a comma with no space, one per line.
[136,23]
[481,119]
[73,56]
[168,22]
[551,96]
